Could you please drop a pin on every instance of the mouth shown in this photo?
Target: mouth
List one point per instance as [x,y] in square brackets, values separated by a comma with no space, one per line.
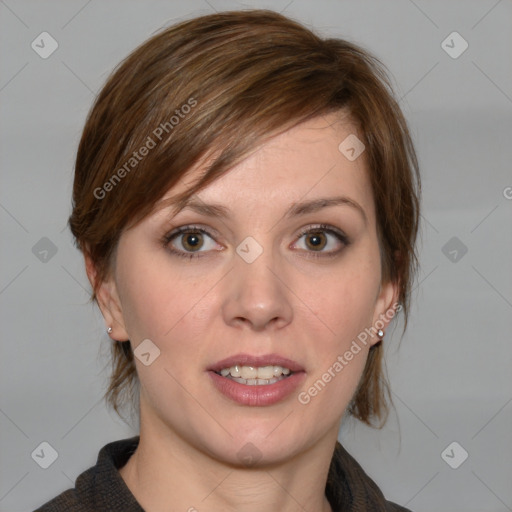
[255,376]
[256,380]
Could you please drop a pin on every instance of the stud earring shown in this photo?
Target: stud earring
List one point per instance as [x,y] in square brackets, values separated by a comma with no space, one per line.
[380,333]
[109,330]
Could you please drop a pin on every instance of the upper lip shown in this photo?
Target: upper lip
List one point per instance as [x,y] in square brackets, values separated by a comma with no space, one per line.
[250,360]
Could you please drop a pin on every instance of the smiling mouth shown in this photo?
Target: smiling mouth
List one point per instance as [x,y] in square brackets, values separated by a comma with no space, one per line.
[255,375]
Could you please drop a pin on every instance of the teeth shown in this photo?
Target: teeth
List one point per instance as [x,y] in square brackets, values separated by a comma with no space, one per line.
[255,375]
[267,372]
[248,372]
[256,382]
[277,371]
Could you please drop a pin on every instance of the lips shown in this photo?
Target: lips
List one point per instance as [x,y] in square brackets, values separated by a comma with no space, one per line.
[257,395]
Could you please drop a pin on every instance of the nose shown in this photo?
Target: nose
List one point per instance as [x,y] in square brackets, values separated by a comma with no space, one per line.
[257,295]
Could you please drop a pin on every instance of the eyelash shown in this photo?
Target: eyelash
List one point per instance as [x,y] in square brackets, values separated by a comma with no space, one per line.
[168,238]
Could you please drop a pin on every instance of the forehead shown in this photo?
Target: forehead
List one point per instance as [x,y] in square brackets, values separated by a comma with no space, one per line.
[313,159]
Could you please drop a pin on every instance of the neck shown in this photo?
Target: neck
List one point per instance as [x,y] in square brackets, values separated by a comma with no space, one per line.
[166,471]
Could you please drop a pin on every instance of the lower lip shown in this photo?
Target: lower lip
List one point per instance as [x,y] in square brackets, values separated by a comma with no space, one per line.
[258,395]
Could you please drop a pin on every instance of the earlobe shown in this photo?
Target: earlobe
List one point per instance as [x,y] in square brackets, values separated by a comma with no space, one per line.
[385,308]
[108,302]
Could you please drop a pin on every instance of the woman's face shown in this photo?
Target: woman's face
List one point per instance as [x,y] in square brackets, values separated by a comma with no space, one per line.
[286,273]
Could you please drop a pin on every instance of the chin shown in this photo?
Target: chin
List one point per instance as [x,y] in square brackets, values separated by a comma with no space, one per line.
[260,446]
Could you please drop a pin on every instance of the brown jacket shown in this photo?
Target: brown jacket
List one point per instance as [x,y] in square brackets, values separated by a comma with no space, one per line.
[101,488]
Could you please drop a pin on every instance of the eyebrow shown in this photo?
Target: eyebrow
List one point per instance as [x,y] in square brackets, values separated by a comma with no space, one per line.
[295,209]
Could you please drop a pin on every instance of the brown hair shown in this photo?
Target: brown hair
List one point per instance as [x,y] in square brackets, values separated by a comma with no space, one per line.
[220,85]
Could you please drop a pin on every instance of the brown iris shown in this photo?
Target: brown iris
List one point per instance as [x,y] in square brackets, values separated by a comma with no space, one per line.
[316,240]
[192,240]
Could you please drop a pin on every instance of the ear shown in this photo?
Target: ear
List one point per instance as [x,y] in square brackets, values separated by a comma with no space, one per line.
[386,307]
[108,301]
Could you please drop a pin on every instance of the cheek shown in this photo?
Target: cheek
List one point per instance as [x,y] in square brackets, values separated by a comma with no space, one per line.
[161,305]
[343,312]
[158,302]
[341,305]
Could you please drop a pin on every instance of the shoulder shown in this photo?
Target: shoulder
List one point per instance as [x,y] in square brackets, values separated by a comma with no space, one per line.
[68,500]
[350,488]
[79,499]
[100,487]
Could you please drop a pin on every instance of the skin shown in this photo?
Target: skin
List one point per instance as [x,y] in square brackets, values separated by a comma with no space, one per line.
[288,302]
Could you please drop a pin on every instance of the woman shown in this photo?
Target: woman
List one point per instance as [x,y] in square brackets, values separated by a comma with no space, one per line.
[246,199]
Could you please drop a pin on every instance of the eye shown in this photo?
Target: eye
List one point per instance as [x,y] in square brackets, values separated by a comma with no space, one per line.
[186,241]
[192,241]
[324,240]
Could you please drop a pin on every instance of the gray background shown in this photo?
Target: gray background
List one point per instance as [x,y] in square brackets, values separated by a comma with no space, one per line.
[451,374]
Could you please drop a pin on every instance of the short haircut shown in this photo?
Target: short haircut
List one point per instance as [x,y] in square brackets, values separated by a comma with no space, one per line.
[220,85]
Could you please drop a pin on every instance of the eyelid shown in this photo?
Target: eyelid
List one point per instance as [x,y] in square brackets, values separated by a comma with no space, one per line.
[326,228]
[190,227]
